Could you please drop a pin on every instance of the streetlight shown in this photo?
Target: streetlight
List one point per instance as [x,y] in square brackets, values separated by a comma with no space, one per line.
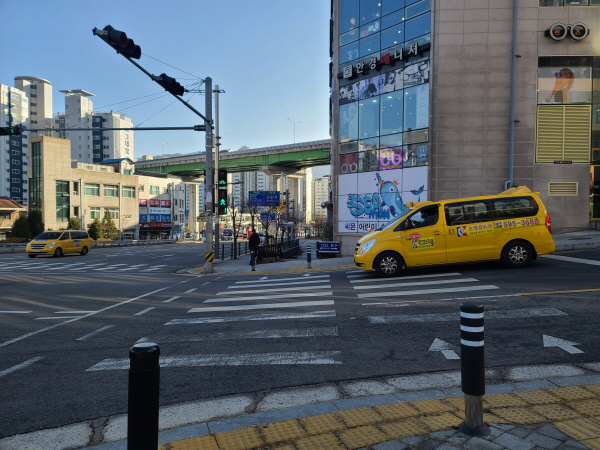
[294,128]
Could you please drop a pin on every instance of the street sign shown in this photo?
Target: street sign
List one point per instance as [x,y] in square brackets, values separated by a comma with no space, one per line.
[328,247]
[264,216]
[263,198]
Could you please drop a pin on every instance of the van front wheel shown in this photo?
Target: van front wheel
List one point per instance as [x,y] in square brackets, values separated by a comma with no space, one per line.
[517,254]
[389,264]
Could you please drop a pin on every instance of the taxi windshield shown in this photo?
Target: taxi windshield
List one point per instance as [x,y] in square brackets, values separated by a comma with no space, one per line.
[48,236]
[395,220]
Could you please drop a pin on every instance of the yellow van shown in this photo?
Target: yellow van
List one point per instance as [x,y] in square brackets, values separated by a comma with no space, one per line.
[513,227]
[59,243]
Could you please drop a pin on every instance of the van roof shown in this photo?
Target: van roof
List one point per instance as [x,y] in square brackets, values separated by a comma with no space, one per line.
[512,191]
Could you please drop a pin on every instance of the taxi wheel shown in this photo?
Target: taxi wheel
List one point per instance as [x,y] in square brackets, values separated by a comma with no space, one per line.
[389,264]
[32,256]
[517,254]
[58,253]
[84,251]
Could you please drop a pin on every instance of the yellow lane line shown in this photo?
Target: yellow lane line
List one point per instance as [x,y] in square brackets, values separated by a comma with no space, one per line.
[560,292]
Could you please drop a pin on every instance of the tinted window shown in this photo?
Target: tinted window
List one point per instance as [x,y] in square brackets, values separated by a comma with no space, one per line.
[369,45]
[392,36]
[417,8]
[349,52]
[65,236]
[48,236]
[461,213]
[418,26]
[391,5]
[369,10]
[348,15]
[514,207]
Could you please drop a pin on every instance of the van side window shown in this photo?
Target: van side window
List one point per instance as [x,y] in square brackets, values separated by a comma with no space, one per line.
[461,213]
[65,236]
[514,207]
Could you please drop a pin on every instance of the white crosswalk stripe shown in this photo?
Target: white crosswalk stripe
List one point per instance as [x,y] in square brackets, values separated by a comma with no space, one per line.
[57,267]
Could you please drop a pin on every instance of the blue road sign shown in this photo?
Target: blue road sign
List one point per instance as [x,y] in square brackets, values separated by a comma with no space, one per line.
[264,198]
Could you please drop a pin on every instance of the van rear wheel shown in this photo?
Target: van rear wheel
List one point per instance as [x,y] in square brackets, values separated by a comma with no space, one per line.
[517,254]
[84,251]
[389,264]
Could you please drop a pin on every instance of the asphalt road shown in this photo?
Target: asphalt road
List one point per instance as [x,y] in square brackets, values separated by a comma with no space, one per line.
[65,330]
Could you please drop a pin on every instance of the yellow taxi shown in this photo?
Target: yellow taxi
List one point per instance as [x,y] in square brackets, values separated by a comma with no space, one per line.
[513,227]
[59,243]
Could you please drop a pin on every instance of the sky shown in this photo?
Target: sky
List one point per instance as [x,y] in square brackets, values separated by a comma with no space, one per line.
[271,57]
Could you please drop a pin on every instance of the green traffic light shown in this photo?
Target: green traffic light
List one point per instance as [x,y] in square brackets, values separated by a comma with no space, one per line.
[10,131]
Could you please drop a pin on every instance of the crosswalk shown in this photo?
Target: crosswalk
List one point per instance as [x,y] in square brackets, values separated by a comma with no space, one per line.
[253,301]
[77,267]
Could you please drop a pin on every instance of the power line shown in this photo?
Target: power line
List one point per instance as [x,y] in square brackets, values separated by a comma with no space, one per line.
[156,59]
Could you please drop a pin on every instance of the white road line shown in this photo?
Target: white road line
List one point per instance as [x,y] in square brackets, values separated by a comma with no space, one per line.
[93,333]
[75,319]
[21,366]
[72,312]
[15,312]
[259,334]
[571,259]
[414,277]
[266,316]
[191,290]
[145,311]
[428,291]
[265,297]
[262,306]
[508,314]
[454,299]
[171,299]
[58,318]
[285,279]
[299,288]
[304,281]
[133,267]
[243,359]
[419,283]
[155,268]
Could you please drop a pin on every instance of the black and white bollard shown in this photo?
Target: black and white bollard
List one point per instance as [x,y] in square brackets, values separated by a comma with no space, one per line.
[308,257]
[472,368]
[142,411]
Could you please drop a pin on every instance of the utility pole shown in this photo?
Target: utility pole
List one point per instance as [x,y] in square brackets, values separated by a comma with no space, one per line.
[217,144]
[210,180]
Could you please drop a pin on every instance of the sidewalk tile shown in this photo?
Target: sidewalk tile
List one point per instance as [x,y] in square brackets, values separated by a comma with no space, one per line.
[556,413]
[589,408]
[477,443]
[502,400]
[595,388]
[390,445]
[203,442]
[457,402]
[513,442]
[359,416]
[404,429]
[323,441]
[441,422]
[397,411]
[580,428]
[432,406]
[543,441]
[239,439]
[518,415]
[359,437]
[573,393]
[551,431]
[594,444]
[322,423]
[538,397]
[282,431]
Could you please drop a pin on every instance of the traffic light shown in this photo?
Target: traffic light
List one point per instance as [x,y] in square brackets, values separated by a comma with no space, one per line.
[221,201]
[222,178]
[11,131]
[170,84]
[119,41]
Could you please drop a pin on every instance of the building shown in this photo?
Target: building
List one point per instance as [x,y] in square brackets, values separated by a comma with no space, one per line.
[142,205]
[9,212]
[320,194]
[14,110]
[426,106]
[39,93]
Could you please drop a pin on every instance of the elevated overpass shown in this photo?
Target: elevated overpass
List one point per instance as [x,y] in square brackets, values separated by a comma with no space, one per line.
[279,160]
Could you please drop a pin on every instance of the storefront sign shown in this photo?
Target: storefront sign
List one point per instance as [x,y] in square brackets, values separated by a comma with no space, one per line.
[154,226]
[559,31]
[328,247]
[159,210]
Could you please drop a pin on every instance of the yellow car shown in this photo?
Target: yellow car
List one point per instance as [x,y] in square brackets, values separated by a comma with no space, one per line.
[59,243]
[513,227]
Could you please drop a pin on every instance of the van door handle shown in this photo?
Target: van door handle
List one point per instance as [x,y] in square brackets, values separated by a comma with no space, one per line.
[437,233]
[402,237]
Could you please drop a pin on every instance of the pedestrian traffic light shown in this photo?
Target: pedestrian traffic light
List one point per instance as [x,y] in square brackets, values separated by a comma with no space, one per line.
[222,201]
[222,178]
[119,41]
[11,131]
[170,84]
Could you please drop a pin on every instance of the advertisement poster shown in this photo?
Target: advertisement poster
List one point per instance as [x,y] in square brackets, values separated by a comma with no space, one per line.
[378,197]
[564,85]
[422,106]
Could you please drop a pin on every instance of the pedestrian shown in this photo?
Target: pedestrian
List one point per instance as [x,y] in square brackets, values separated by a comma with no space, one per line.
[253,244]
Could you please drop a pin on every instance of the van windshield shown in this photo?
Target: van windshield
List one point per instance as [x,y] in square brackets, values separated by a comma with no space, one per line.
[48,236]
[395,220]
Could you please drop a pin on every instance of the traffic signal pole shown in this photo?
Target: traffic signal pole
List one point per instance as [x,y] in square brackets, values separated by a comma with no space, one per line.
[209,190]
[217,216]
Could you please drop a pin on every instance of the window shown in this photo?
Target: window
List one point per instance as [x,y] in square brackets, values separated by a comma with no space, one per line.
[16,152]
[15,189]
[15,171]
[105,138]
[392,108]
[94,212]
[111,190]
[154,190]
[97,138]
[368,118]
[92,189]
[16,180]
[128,191]
[461,213]
[62,201]
[113,212]
[97,119]
[513,208]
[76,187]
[418,26]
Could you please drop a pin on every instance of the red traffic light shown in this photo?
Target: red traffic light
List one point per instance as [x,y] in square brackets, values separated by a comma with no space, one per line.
[119,41]
[170,84]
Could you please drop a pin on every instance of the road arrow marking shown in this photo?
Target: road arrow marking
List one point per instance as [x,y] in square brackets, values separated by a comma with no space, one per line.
[263,278]
[442,346]
[567,346]
[306,275]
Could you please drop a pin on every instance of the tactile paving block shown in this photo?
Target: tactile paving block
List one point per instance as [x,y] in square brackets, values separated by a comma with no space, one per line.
[491,418]
[595,388]
[359,416]
[543,397]
[440,422]
[580,429]
[241,439]
[589,408]
[556,412]
[362,436]
[502,401]
[406,428]
[323,441]
[518,415]
[432,406]
[457,402]
[278,447]
[396,411]
[203,442]
[282,431]
[570,393]
[323,423]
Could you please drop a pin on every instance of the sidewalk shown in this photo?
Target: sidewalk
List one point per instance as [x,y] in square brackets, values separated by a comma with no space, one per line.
[551,407]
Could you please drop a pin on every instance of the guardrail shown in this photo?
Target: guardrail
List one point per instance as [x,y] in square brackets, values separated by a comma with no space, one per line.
[10,248]
[20,248]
